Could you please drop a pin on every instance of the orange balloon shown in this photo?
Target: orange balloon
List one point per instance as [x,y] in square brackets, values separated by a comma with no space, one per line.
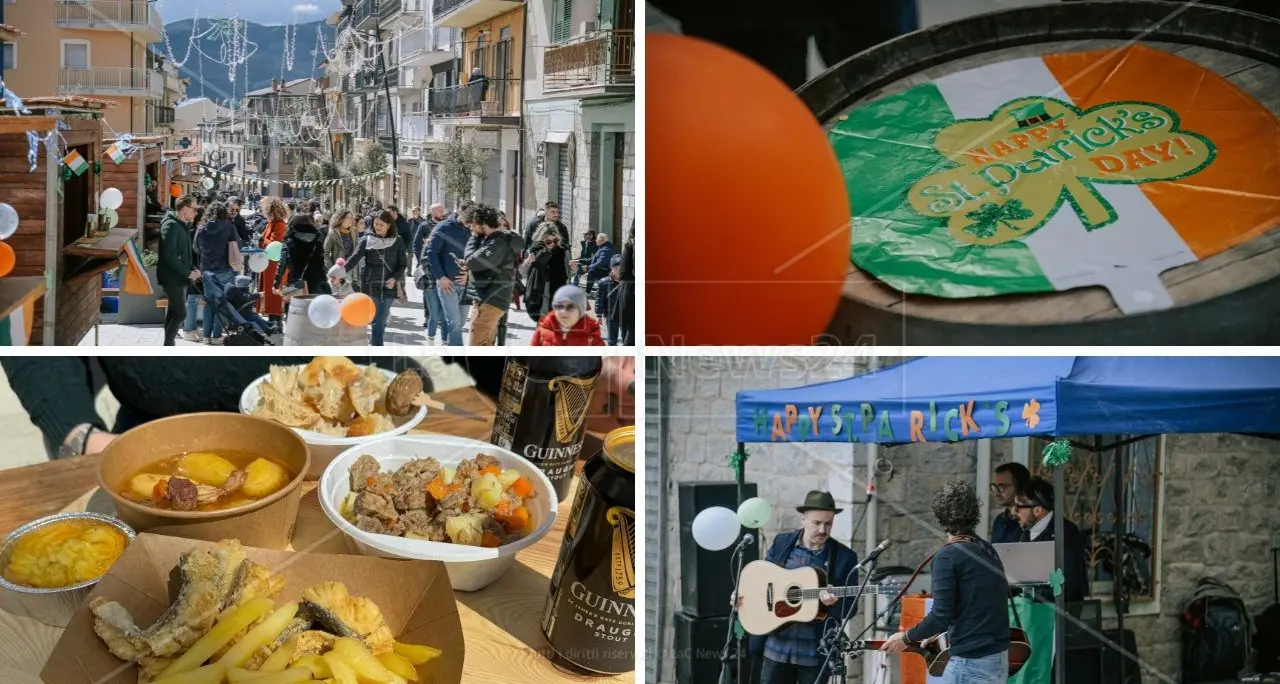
[358,309]
[7,259]
[749,236]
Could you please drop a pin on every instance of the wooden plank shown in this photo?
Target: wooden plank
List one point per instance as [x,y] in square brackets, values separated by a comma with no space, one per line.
[15,292]
[22,124]
[106,248]
[90,271]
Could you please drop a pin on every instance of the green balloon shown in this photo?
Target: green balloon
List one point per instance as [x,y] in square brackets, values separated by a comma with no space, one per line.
[754,513]
[274,250]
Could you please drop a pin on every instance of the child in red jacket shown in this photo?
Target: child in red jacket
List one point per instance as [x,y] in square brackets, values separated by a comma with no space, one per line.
[568,324]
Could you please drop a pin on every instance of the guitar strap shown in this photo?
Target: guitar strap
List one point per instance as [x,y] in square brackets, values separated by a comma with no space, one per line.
[919,568]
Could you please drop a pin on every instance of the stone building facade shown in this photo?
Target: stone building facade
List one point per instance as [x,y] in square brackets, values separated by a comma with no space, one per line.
[1219,491]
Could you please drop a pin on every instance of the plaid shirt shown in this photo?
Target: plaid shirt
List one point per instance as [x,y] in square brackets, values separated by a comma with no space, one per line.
[797,643]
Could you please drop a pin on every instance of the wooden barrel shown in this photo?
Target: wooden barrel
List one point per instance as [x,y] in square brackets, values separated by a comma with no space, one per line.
[299,331]
[1232,297]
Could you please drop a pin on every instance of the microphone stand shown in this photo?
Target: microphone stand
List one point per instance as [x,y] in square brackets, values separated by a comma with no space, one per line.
[836,643]
[732,637]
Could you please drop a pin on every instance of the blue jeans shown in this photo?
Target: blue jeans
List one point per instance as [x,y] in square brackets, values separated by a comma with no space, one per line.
[435,314]
[455,314]
[382,309]
[193,310]
[215,292]
[992,669]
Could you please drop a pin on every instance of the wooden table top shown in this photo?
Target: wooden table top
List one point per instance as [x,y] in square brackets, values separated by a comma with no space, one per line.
[500,622]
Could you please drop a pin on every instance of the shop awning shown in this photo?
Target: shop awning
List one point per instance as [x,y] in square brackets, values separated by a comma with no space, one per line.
[938,399]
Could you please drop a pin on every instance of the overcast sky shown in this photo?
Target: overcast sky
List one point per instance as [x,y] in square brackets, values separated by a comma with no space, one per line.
[258,11]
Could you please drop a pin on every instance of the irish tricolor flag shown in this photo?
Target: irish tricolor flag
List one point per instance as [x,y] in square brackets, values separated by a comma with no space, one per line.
[1050,173]
[15,329]
[76,163]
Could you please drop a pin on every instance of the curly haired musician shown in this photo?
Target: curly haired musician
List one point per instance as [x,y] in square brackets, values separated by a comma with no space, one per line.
[791,653]
[970,595]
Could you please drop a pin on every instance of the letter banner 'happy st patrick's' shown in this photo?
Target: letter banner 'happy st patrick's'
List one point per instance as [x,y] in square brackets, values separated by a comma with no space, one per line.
[1051,173]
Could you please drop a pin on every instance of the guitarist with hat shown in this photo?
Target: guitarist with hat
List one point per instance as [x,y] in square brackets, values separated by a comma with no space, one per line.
[970,596]
[791,653]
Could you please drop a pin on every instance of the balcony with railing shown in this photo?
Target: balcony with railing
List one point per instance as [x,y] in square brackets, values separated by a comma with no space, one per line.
[368,79]
[464,13]
[426,48]
[491,101]
[132,16]
[389,10]
[413,127]
[120,81]
[601,62]
[363,16]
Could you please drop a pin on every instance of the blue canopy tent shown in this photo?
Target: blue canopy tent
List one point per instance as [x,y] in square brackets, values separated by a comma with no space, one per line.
[936,399]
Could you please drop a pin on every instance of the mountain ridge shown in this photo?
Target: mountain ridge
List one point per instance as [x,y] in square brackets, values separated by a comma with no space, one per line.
[266,63]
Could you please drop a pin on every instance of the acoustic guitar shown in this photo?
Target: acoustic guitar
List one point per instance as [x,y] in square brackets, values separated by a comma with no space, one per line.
[937,651]
[772,596]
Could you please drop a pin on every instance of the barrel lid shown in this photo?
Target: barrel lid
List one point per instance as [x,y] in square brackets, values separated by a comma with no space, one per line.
[620,447]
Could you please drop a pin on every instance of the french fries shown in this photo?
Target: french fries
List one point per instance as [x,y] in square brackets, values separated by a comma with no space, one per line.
[317,664]
[415,654]
[279,659]
[399,665]
[360,660]
[342,672]
[295,675]
[217,638]
[266,632]
[209,674]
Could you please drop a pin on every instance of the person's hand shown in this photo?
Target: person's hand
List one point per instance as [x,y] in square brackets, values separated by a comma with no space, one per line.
[195,274]
[391,282]
[530,259]
[98,442]
[735,600]
[895,644]
[446,285]
[461,279]
[613,404]
[277,292]
[827,598]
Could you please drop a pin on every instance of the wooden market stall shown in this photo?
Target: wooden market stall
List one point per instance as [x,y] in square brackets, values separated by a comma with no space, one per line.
[60,244]
[143,173]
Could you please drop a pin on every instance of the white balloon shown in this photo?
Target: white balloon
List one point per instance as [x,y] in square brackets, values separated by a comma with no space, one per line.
[259,262]
[716,528]
[112,198]
[324,312]
[113,219]
[8,221]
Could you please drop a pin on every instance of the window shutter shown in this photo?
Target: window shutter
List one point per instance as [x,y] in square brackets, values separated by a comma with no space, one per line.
[608,17]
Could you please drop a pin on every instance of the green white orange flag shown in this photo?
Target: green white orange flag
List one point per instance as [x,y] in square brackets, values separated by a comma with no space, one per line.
[1056,172]
[15,329]
[76,163]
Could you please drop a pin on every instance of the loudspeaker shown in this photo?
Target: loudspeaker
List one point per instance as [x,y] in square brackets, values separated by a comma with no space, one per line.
[699,643]
[706,577]
[1088,652]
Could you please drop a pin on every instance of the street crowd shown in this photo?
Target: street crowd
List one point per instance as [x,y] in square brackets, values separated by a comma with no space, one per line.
[470,264]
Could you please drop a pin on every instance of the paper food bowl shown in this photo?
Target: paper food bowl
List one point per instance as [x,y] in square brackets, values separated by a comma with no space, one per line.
[415,600]
[266,523]
[53,606]
[325,448]
[470,567]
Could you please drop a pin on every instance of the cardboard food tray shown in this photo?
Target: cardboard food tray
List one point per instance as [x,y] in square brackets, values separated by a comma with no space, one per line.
[415,597]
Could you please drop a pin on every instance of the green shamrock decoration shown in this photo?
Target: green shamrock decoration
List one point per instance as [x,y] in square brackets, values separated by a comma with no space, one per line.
[97,168]
[991,216]
[737,629]
[1056,580]
[738,460]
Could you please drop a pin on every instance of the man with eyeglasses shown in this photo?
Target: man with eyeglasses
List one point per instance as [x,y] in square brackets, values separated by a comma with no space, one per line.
[1009,480]
[1034,508]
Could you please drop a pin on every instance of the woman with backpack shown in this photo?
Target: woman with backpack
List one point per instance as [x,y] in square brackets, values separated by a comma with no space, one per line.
[385,262]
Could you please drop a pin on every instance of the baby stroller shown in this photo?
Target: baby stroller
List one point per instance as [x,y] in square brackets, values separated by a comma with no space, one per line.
[235,310]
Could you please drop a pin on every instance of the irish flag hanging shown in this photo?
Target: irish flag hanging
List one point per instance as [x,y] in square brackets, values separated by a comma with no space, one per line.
[1063,171]
[76,163]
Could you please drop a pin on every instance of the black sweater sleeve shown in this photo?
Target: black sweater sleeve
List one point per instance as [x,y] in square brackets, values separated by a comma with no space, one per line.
[945,593]
[56,391]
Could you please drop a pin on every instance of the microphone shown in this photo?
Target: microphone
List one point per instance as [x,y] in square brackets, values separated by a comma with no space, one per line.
[875,553]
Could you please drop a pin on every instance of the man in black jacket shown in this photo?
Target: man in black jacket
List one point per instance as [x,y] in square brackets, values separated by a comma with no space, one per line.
[551,215]
[242,228]
[1034,509]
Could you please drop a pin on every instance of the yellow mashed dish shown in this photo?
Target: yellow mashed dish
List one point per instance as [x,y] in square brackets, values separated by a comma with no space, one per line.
[64,553]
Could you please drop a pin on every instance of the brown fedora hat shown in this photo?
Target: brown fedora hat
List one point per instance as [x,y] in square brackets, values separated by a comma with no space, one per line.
[819,501]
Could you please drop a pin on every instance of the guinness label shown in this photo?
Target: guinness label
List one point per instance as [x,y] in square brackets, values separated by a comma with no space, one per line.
[589,617]
[542,412]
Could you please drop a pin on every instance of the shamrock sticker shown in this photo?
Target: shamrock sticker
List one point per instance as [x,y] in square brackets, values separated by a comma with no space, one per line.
[1013,170]
[1056,580]
[1031,413]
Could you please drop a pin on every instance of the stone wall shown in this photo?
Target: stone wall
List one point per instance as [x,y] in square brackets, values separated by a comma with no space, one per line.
[1220,491]
[628,186]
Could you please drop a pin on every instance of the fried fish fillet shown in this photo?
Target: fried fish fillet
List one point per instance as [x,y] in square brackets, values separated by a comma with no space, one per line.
[332,607]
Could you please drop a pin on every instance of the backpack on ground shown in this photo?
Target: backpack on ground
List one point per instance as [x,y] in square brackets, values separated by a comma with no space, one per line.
[1215,633]
[1266,637]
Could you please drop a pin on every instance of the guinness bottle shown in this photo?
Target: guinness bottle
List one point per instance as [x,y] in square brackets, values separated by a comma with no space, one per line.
[589,617]
[542,412]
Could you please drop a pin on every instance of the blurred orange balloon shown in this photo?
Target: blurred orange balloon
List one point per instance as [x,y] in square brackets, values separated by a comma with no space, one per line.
[358,309]
[7,259]
[747,235]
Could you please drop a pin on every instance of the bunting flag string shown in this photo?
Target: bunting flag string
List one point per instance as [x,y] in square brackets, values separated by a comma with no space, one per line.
[208,171]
